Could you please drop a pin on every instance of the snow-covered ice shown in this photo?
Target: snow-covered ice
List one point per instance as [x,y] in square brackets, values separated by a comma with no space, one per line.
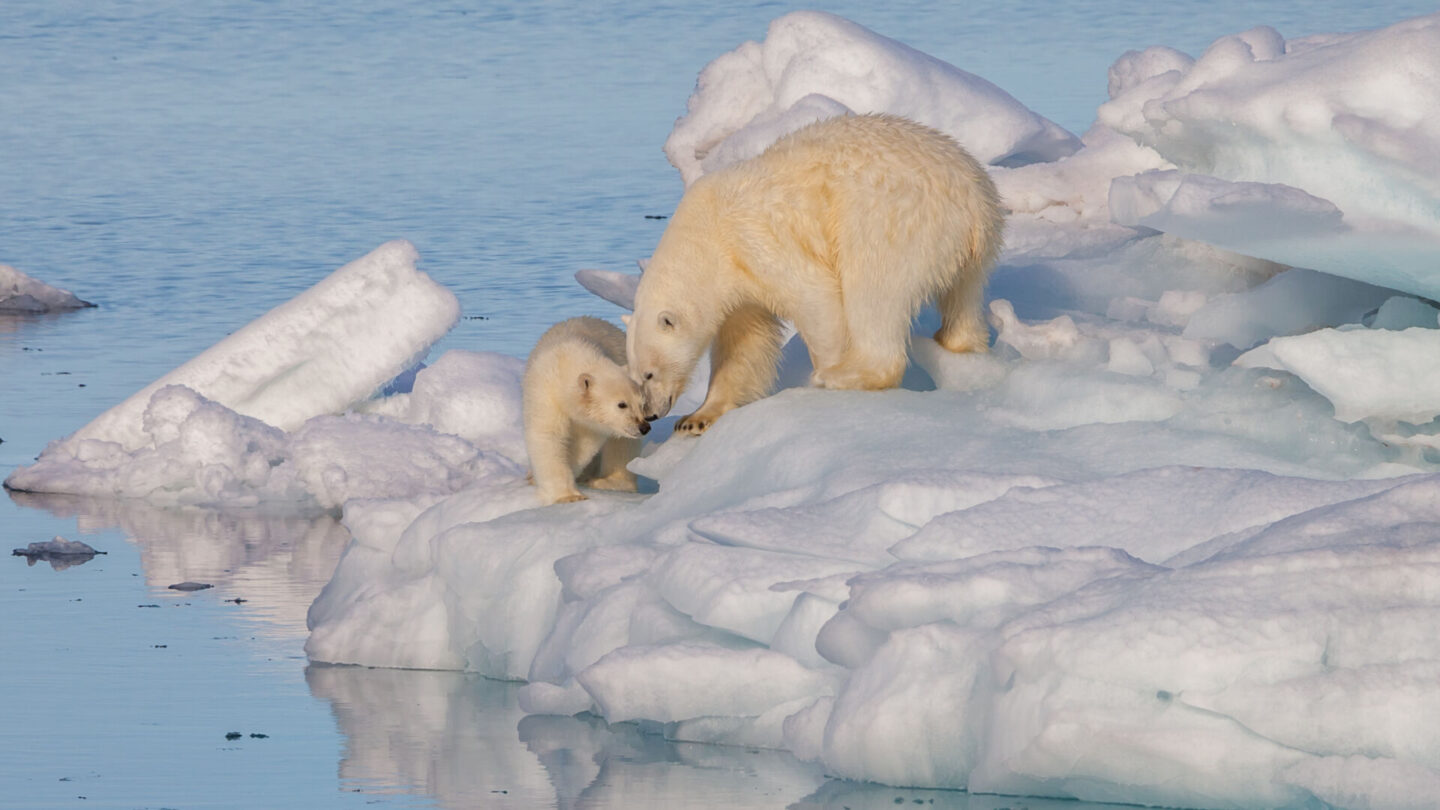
[327,348]
[1175,540]
[1319,152]
[21,293]
[813,65]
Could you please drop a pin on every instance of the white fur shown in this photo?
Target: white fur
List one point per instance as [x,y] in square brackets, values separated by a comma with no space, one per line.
[846,228]
[579,402]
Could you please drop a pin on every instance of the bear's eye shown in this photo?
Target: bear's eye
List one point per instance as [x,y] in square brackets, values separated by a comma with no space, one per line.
[622,406]
[649,375]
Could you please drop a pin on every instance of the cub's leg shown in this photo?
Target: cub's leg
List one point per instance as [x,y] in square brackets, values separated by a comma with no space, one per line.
[743,361]
[614,455]
[585,444]
[548,444]
[962,313]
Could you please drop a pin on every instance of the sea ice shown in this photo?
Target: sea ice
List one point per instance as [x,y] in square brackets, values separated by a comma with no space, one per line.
[1318,152]
[59,552]
[813,65]
[1101,561]
[1365,373]
[329,347]
[21,293]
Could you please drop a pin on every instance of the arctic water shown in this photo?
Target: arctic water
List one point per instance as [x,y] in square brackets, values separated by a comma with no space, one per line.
[188,166]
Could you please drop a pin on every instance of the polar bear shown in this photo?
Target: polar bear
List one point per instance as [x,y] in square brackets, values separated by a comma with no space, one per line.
[846,228]
[578,402]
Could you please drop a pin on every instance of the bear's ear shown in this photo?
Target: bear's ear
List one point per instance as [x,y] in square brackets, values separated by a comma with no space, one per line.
[667,321]
[625,319]
[585,382]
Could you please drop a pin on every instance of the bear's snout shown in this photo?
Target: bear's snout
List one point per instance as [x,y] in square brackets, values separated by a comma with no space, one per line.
[651,418]
[644,428]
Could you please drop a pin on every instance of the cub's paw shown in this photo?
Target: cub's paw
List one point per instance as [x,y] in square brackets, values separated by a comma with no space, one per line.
[615,483]
[568,497]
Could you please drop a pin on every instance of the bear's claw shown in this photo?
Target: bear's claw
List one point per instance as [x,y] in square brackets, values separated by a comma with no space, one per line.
[693,426]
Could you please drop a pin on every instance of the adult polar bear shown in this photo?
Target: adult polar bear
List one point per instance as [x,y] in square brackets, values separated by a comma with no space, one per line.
[845,228]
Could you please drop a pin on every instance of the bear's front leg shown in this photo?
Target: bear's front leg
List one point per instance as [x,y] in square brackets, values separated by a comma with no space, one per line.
[617,452]
[743,360]
[549,449]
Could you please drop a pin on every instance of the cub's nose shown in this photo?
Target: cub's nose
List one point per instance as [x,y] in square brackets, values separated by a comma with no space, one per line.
[644,428]
[651,417]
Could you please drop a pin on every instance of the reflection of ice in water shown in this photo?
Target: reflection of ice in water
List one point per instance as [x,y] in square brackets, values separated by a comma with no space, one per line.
[447,734]
[276,563]
[462,739]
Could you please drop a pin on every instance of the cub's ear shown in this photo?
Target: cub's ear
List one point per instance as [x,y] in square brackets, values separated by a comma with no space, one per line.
[667,321]
[586,381]
[625,319]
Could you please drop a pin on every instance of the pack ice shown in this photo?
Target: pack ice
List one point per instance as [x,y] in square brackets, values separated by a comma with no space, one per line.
[1175,540]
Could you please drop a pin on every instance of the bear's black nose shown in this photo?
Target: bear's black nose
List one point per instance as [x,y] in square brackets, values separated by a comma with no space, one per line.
[651,418]
[644,428]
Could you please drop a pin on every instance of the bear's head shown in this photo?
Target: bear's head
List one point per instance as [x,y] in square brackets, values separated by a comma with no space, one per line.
[609,399]
[662,349]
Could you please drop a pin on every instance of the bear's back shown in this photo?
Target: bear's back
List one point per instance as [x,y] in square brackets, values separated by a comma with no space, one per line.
[584,334]
[871,146]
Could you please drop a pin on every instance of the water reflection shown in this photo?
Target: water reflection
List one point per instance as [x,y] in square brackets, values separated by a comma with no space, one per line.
[454,739]
[274,563]
[462,740]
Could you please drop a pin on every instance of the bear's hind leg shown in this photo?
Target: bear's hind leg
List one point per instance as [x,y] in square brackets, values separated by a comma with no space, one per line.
[962,315]
[877,319]
[743,361]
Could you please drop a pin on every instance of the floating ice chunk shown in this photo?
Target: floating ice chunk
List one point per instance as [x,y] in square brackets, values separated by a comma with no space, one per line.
[333,345]
[617,288]
[21,293]
[813,65]
[57,547]
[59,552]
[1295,301]
[1365,373]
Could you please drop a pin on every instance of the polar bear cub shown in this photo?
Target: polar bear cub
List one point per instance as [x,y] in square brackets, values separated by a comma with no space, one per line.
[578,402]
[846,228]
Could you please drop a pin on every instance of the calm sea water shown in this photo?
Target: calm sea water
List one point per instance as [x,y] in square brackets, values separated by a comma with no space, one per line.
[188,165]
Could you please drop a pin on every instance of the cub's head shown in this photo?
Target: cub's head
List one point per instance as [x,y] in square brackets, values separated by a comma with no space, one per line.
[612,400]
[661,350]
